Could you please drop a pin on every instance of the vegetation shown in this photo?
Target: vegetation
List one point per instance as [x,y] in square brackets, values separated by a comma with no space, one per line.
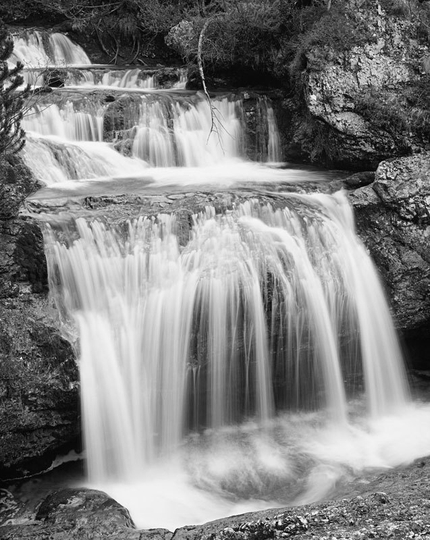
[263,35]
[12,99]
[256,34]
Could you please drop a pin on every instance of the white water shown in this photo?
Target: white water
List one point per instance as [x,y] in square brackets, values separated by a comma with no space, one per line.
[254,366]
[127,78]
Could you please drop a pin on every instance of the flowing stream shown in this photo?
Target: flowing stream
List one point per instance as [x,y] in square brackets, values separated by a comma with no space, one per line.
[252,363]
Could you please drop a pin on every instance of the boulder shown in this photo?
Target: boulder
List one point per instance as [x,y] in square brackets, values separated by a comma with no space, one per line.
[393,220]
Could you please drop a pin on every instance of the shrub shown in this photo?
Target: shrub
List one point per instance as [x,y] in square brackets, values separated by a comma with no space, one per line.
[244,33]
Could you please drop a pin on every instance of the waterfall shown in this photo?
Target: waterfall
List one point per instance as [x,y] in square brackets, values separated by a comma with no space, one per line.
[262,310]
[242,357]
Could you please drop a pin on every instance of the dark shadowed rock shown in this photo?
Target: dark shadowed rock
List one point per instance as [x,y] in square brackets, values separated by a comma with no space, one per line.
[359,179]
[38,376]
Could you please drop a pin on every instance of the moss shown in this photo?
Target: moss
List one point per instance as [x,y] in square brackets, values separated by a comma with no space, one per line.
[405,110]
[16,184]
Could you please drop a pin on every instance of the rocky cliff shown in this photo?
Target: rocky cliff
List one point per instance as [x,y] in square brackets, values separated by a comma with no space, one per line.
[362,75]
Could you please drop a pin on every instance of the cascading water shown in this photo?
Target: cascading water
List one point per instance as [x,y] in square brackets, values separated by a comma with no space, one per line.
[235,362]
[262,310]
[161,132]
[157,129]
[251,364]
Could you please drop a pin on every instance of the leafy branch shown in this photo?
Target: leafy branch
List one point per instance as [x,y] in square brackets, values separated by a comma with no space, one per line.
[12,99]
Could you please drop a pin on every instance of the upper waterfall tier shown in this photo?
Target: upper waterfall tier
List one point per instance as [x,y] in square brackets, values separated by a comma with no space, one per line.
[40,49]
[97,113]
[155,130]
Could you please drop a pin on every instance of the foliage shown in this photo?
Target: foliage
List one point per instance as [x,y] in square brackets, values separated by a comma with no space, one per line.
[12,98]
[382,110]
[264,35]
[416,11]
[244,33]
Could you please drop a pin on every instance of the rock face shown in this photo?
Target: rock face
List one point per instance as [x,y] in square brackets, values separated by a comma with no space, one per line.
[393,219]
[356,97]
[38,391]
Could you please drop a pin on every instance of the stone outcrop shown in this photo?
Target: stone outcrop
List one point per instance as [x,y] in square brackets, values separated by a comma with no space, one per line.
[346,88]
[393,219]
[38,390]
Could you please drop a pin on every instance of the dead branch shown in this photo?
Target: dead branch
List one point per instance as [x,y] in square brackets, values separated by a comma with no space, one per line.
[215,121]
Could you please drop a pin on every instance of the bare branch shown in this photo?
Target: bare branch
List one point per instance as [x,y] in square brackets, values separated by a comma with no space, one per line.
[216,124]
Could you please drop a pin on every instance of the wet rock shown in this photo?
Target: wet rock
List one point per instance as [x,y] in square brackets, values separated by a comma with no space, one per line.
[120,115]
[9,506]
[55,78]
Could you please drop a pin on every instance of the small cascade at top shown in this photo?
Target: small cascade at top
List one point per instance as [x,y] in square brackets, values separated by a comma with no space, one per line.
[40,49]
[49,55]
[41,52]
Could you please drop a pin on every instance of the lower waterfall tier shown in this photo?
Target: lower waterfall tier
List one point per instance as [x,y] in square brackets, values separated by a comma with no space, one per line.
[261,311]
